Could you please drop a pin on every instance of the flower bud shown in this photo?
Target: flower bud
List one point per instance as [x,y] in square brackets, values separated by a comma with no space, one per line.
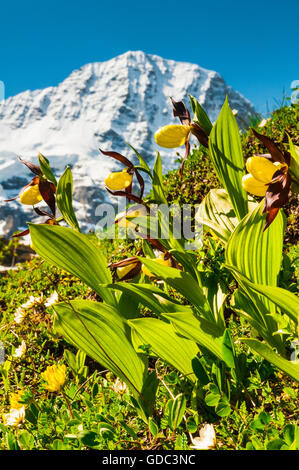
[119,180]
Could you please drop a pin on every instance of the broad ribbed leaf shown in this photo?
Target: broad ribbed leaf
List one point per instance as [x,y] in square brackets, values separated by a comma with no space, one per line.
[150,296]
[289,367]
[217,213]
[183,283]
[102,334]
[287,302]
[256,254]
[204,333]
[64,198]
[226,152]
[158,190]
[72,251]
[165,343]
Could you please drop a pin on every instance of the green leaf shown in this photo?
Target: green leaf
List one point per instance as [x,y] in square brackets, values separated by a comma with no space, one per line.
[103,335]
[164,343]
[143,165]
[150,296]
[177,411]
[257,255]
[184,283]
[73,252]
[204,333]
[46,169]
[228,350]
[223,408]
[294,166]
[282,298]
[289,367]
[26,440]
[200,116]
[153,427]
[157,183]
[226,152]
[64,198]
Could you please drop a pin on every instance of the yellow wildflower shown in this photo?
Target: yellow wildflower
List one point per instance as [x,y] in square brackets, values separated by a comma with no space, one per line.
[260,174]
[15,400]
[14,417]
[119,180]
[55,376]
[31,195]
[172,136]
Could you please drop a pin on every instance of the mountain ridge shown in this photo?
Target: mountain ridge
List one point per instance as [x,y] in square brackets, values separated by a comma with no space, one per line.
[100,105]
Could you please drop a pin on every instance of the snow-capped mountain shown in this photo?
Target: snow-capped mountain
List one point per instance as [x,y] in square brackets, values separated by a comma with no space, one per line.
[101,105]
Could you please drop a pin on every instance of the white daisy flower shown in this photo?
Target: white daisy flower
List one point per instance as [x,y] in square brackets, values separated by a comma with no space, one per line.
[20,350]
[206,439]
[52,300]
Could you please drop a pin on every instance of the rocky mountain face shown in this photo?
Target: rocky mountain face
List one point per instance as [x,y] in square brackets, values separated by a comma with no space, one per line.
[101,105]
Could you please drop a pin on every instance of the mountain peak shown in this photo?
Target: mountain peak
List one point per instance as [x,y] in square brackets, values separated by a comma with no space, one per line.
[103,104]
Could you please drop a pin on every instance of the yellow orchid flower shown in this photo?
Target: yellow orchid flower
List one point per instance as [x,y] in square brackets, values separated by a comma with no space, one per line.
[55,376]
[31,195]
[260,174]
[123,271]
[119,180]
[160,260]
[172,136]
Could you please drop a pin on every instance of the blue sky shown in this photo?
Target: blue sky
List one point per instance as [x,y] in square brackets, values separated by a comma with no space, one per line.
[253,45]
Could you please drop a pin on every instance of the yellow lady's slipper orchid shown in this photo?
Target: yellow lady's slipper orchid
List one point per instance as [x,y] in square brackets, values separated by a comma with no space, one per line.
[55,376]
[261,171]
[123,218]
[172,136]
[160,260]
[31,195]
[119,180]
[122,271]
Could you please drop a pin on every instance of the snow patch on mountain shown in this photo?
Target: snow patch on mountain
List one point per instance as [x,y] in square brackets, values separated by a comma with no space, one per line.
[101,105]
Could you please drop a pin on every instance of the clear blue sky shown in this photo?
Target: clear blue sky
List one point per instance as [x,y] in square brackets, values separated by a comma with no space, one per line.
[253,45]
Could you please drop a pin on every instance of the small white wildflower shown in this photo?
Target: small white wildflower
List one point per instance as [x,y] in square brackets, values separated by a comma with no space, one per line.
[19,315]
[119,387]
[32,301]
[20,350]
[263,122]
[206,439]
[235,112]
[14,417]
[53,299]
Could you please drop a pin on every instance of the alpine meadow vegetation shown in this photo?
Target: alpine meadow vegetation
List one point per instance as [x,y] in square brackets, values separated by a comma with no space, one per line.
[174,327]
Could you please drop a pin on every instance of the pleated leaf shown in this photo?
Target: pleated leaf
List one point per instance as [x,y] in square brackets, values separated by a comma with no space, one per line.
[204,333]
[165,343]
[103,335]
[289,367]
[226,153]
[72,251]
[256,254]
[64,198]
